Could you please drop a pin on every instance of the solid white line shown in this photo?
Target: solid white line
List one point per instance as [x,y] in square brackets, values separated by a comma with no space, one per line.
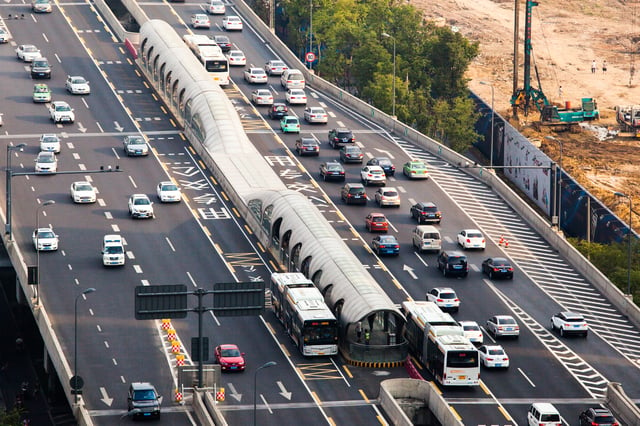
[527,378]
[170,245]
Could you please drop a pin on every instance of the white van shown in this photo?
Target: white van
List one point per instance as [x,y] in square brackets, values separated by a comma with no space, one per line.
[292,79]
[113,252]
[426,238]
[543,414]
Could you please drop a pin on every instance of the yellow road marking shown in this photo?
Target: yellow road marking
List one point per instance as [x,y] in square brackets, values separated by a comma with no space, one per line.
[363,395]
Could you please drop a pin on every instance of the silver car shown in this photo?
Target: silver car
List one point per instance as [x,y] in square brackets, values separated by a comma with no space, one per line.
[503,326]
[275,67]
[315,115]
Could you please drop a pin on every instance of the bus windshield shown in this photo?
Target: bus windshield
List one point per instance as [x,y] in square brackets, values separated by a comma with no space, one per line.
[320,334]
[216,65]
[462,359]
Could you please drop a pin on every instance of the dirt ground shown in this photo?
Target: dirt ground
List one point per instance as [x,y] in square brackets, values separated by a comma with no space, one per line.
[567,35]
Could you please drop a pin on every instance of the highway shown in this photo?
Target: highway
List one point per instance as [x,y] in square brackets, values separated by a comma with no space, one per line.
[163,251]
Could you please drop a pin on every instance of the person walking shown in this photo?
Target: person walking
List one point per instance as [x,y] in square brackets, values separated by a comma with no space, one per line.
[367,336]
[359,331]
[604,66]
[594,67]
[560,92]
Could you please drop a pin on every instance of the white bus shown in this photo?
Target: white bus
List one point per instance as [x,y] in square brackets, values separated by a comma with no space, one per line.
[301,308]
[424,318]
[453,361]
[210,55]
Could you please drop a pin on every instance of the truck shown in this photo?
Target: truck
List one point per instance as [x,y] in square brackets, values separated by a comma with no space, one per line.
[628,117]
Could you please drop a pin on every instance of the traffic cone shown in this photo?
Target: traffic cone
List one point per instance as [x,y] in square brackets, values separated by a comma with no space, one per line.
[501,241]
[506,243]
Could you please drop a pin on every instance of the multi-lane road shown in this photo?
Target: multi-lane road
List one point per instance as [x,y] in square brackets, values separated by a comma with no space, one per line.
[202,241]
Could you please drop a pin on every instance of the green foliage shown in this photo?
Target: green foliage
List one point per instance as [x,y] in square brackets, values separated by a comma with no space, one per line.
[10,418]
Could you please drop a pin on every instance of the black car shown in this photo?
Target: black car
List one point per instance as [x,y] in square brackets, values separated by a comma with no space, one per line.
[40,68]
[597,416]
[340,137]
[351,154]
[307,146]
[353,193]
[278,110]
[453,263]
[224,42]
[497,267]
[385,163]
[332,170]
[426,213]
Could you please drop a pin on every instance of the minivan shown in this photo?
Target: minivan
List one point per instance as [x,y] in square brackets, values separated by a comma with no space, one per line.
[426,238]
[453,263]
[113,252]
[292,79]
[543,414]
[354,193]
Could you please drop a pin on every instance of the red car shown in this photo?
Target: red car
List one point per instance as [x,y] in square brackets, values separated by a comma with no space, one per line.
[230,358]
[376,222]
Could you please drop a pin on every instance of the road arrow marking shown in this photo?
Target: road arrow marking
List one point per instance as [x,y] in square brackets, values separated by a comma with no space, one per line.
[234,394]
[385,152]
[409,269]
[81,127]
[283,391]
[105,397]
[118,126]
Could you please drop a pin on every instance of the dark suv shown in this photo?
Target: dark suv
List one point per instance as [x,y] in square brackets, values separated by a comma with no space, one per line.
[340,137]
[426,213]
[453,263]
[223,41]
[278,110]
[307,146]
[40,68]
[354,193]
[597,416]
[144,399]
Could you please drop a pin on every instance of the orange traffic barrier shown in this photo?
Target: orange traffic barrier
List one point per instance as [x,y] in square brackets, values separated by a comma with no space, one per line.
[171,334]
[166,324]
[220,395]
[178,395]
[179,360]
[175,346]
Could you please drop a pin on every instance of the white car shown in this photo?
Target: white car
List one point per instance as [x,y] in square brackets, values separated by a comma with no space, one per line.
[27,52]
[296,96]
[168,192]
[61,112]
[315,115]
[46,162]
[44,239]
[215,7]
[275,67]
[255,75]
[503,326]
[236,58]
[140,207]
[262,97]
[472,331]
[50,142]
[77,85]
[493,356]
[200,20]
[83,192]
[445,298]
[569,323]
[387,196]
[372,175]
[135,145]
[232,23]
[471,239]
[4,35]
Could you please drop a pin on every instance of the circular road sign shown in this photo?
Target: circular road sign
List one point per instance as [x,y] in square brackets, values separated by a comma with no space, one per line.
[76,382]
[310,57]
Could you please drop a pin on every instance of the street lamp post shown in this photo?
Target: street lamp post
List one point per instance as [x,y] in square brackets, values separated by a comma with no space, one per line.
[628,197]
[75,344]
[19,147]
[310,30]
[38,210]
[393,107]
[486,83]
[559,205]
[255,387]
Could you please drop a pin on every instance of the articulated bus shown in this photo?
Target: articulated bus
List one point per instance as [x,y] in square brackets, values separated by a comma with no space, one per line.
[301,308]
[210,55]
[453,360]
[424,318]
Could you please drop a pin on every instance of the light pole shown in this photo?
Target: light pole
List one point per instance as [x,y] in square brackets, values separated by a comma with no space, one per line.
[75,344]
[255,386]
[19,147]
[628,197]
[310,30]
[486,83]
[38,210]
[393,107]
[559,205]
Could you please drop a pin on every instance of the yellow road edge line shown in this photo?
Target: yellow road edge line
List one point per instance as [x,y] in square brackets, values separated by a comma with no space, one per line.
[235,211]
[248,229]
[274,266]
[315,398]
[382,420]
[504,413]
[455,413]
[202,165]
[260,247]
[224,195]
[364,396]
[346,370]
[206,231]
[484,388]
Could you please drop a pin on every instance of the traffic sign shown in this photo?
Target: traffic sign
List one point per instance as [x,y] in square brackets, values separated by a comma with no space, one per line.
[310,57]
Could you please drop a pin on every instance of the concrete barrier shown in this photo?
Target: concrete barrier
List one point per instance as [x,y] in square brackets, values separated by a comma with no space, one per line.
[622,406]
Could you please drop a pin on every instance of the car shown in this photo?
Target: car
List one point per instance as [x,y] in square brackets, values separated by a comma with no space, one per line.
[387,197]
[232,23]
[340,137]
[200,20]
[385,244]
[315,115]
[569,323]
[135,145]
[307,146]
[46,162]
[50,142]
[497,267]
[113,251]
[215,7]
[4,36]
[493,356]
[471,239]
[229,357]
[40,68]
[61,112]
[472,331]
[597,416]
[385,163]
[262,97]
[332,170]
[140,207]
[27,52]
[426,238]
[77,85]
[290,124]
[373,175]
[502,326]
[296,96]
[41,6]
[278,110]
[292,79]
[425,212]
[255,76]
[41,93]
[543,414]
[223,42]
[351,154]
[236,58]
[83,192]
[445,298]
[168,192]
[353,193]
[376,222]
[1,120]
[415,170]
[453,263]
[44,239]
[275,67]
[143,400]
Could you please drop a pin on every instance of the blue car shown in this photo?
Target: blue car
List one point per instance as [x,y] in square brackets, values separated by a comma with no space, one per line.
[385,244]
